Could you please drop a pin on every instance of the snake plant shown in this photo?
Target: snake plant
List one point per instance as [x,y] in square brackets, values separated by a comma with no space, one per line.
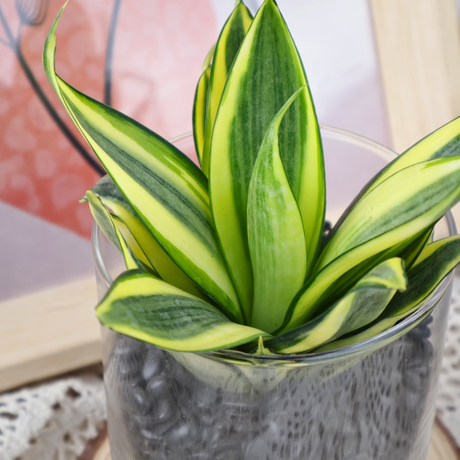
[232,254]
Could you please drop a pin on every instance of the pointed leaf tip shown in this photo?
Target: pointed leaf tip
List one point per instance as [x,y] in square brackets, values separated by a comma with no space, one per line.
[227,47]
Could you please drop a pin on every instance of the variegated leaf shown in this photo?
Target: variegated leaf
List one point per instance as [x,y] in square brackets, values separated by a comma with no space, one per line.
[199,112]
[266,72]
[419,188]
[436,261]
[360,306]
[275,231]
[167,191]
[114,200]
[442,143]
[426,191]
[108,227]
[146,308]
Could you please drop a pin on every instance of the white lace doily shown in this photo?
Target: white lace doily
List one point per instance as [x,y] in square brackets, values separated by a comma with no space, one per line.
[54,421]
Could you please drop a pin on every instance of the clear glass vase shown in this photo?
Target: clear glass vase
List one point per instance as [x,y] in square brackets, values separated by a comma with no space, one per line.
[373,400]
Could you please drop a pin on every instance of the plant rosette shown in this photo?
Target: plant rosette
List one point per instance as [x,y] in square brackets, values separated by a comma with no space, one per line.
[243,329]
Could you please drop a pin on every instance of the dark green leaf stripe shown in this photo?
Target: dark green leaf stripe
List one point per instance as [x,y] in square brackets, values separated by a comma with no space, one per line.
[167,191]
[444,170]
[113,199]
[275,230]
[266,72]
[412,252]
[227,47]
[146,308]
[419,188]
[360,306]
[442,143]
[199,112]
[437,260]
[407,250]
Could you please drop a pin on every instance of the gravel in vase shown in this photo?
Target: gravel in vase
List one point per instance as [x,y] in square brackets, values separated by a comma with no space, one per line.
[171,412]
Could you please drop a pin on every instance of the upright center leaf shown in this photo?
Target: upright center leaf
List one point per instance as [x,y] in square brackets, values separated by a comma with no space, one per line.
[266,72]
[275,230]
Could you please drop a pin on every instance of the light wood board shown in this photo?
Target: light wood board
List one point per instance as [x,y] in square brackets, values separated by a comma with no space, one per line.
[418,43]
[48,333]
[441,448]
[442,445]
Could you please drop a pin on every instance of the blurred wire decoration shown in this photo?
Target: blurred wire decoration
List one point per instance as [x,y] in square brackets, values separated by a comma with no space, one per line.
[32,13]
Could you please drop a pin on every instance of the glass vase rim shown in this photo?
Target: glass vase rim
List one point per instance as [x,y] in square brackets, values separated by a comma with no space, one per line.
[364,347]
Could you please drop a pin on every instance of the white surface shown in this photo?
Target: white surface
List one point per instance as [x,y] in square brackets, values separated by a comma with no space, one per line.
[336,42]
[35,254]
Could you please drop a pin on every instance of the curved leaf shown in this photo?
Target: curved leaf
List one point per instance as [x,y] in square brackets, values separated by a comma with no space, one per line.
[436,261]
[110,230]
[146,308]
[442,143]
[437,194]
[113,199]
[275,231]
[360,306]
[167,191]
[419,188]
[266,72]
